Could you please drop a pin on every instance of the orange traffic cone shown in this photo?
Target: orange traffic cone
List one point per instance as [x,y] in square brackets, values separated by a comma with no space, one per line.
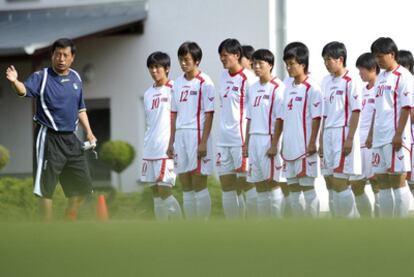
[101,209]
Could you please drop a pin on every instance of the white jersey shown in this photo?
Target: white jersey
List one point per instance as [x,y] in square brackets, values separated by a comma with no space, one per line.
[191,100]
[368,107]
[157,105]
[393,92]
[265,106]
[342,96]
[301,104]
[234,94]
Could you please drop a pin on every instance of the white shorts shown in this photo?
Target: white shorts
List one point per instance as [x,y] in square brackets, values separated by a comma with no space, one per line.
[158,171]
[261,167]
[230,160]
[384,160]
[340,165]
[306,167]
[185,153]
[366,162]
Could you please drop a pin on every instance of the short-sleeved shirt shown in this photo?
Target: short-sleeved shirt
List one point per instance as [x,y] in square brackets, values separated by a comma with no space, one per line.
[234,94]
[265,106]
[157,102]
[191,100]
[368,107]
[342,96]
[59,99]
[393,92]
[302,104]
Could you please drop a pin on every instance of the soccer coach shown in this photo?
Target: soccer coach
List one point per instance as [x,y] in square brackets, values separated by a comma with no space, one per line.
[58,151]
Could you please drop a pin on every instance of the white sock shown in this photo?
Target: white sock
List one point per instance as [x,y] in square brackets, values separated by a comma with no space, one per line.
[363,205]
[332,195]
[189,204]
[230,204]
[263,204]
[402,201]
[376,204]
[386,203]
[203,202]
[296,205]
[160,211]
[276,203]
[173,207]
[311,203]
[251,203]
[346,206]
[242,205]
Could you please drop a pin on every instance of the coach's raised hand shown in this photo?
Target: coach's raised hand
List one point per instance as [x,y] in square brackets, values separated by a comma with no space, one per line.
[12,75]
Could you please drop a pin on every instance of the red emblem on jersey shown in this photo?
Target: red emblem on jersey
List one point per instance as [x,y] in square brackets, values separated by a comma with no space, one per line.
[401,157]
[316,104]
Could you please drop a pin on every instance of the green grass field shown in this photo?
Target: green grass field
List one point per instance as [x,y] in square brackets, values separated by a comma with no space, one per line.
[323,247]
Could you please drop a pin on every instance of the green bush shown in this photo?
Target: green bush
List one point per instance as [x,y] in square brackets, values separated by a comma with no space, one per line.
[117,154]
[4,156]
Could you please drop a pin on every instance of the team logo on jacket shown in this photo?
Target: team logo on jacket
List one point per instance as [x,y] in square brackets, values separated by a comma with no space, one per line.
[75,86]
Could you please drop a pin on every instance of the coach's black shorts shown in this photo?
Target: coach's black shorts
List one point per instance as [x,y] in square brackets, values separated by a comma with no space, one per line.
[59,157]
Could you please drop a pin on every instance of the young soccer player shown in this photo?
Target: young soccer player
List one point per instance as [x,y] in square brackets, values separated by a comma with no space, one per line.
[192,118]
[264,111]
[157,168]
[231,165]
[246,58]
[368,70]
[406,59]
[340,138]
[391,129]
[302,113]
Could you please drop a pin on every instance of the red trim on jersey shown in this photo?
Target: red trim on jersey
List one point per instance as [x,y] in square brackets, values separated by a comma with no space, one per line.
[242,104]
[162,170]
[168,84]
[347,79]
[198,169]
[398,74]
[308,86]
[234,74]
[271,104]
[340,168]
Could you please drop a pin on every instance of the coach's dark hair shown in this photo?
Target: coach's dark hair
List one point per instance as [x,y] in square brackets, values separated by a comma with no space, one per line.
[247,51]
[63,43]
[298,51]
[192,48]
[384,45]
[159,58]
[406,59]
[367,61]
[264,55]
[335,49]
[231,46]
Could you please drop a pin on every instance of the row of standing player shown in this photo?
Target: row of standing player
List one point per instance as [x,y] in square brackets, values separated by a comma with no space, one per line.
[363,133]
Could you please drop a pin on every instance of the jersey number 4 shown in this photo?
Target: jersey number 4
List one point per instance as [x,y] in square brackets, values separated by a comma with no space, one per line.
[290,104]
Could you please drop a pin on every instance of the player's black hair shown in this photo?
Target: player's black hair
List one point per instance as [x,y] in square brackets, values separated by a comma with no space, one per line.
[159,58]
[406,59]
[335,49]
[367,61]
[384,45]
[63,43]
[247,51]
[298,51]
[192,48]
[231,46]
[264,55]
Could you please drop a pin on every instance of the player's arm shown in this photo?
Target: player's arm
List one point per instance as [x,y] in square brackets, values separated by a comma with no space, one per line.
[272,151]
[353,125]
[246,142]
[170,149]
[12,76]
[321,138]
[208,123]
[397,139]
[368,142]
[84,121]
[316,124]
